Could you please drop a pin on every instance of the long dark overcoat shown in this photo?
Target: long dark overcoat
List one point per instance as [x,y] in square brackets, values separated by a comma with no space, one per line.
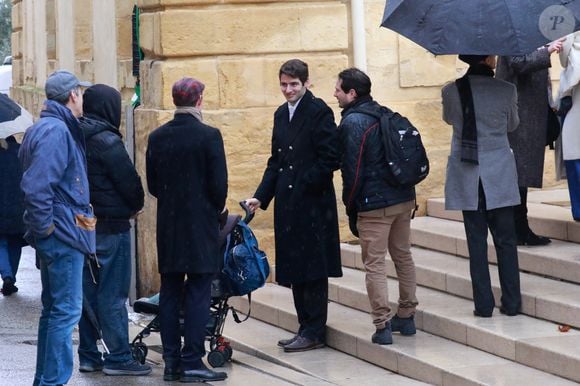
[11,196]
[305,153]
[186,171]
[530,75]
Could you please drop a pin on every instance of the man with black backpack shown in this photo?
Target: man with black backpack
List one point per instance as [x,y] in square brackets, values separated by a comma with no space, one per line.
[378,206]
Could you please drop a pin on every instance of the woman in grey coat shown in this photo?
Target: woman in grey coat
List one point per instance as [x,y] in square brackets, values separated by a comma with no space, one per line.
[482,179]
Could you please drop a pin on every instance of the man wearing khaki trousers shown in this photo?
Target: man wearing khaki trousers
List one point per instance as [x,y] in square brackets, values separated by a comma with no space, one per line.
[379,213]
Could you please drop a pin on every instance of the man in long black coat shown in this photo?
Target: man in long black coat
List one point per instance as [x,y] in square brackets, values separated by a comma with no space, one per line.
[299,175]
[186,171]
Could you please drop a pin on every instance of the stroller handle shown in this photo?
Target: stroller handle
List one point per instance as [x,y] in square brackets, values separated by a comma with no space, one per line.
[248,213]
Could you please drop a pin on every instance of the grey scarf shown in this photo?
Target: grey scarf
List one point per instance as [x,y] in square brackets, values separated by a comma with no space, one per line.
[189,110]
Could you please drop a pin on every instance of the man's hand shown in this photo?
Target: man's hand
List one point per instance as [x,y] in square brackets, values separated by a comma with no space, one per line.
[556,46]
[253,203]
[136,214]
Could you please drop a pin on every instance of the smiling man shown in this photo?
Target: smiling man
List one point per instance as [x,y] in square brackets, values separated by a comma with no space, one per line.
[299,174]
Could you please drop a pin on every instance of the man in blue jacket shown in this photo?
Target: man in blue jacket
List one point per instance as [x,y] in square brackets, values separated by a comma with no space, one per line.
[58,219]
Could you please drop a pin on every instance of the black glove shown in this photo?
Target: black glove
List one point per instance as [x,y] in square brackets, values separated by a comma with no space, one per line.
[223,218]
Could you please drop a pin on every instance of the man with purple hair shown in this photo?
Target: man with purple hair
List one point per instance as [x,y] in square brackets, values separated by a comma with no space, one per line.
[187,173]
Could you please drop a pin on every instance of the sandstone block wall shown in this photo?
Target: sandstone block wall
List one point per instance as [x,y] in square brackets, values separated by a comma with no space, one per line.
[235,47]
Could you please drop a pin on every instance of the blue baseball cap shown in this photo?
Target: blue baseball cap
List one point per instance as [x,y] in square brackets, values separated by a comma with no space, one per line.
[61,82]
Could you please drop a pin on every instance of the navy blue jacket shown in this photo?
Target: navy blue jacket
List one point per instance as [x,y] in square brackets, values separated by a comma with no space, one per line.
[54,180]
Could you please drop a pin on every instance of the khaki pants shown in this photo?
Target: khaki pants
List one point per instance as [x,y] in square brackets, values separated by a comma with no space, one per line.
[381,230]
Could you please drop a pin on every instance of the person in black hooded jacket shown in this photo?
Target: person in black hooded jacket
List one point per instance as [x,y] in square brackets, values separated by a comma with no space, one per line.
[381,210]
[116,195]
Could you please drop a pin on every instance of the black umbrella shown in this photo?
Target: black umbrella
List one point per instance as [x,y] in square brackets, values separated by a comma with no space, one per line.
[482,27]
[13,118]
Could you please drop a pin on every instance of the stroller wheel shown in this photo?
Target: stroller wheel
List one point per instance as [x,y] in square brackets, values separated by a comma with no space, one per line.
[139,351]
[228,351]
[216,358]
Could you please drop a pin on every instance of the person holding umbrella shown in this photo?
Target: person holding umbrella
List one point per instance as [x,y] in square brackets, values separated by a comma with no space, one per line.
[530,75]
[11,210]
[569,89]
[481,177]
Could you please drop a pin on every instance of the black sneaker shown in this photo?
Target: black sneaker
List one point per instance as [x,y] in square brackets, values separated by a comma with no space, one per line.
[131,367]
[90,367]
[383,336]
[8,287]
[406,326]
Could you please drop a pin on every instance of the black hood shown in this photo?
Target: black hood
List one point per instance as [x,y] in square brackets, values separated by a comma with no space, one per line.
[103,103]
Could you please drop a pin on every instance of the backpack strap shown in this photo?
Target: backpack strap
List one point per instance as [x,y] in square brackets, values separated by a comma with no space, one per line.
[235,314]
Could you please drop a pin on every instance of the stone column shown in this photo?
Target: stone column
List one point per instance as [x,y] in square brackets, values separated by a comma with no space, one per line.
[105,42]
[65,35]
[40,56]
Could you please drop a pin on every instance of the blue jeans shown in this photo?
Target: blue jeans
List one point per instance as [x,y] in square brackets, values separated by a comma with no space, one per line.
[107,298]
[10,250]
[61,269]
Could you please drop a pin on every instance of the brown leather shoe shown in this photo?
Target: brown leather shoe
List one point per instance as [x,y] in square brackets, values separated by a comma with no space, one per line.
[303,344]
[286,342]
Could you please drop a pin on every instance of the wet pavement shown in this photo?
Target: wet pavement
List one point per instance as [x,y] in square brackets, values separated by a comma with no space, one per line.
[257,361]
[18,337]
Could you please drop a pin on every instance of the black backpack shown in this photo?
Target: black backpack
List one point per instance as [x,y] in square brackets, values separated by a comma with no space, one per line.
[405,154]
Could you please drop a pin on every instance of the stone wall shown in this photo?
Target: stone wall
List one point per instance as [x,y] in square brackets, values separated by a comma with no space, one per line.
[235,47]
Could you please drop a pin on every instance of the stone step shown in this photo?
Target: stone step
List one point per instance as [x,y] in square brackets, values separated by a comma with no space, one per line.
[244,370]
[322,367]
[559,259]
[424,356]
[542,297]
[523,339]
[545,219]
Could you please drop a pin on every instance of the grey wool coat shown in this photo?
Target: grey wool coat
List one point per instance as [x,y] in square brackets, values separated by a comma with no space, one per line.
[496,114]
[529,73]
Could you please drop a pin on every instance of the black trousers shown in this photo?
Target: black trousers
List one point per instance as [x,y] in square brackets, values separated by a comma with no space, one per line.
[311,303]
[521,215]
[500,222]
[195,296]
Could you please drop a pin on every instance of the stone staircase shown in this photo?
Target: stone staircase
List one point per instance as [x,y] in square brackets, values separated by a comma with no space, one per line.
[452,347]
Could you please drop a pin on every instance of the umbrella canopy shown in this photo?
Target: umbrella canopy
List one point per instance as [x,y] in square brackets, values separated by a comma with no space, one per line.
[482,27]
[13,118]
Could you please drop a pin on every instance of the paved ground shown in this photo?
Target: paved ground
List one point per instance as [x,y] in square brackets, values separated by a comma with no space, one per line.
[251,365]
[18,324]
